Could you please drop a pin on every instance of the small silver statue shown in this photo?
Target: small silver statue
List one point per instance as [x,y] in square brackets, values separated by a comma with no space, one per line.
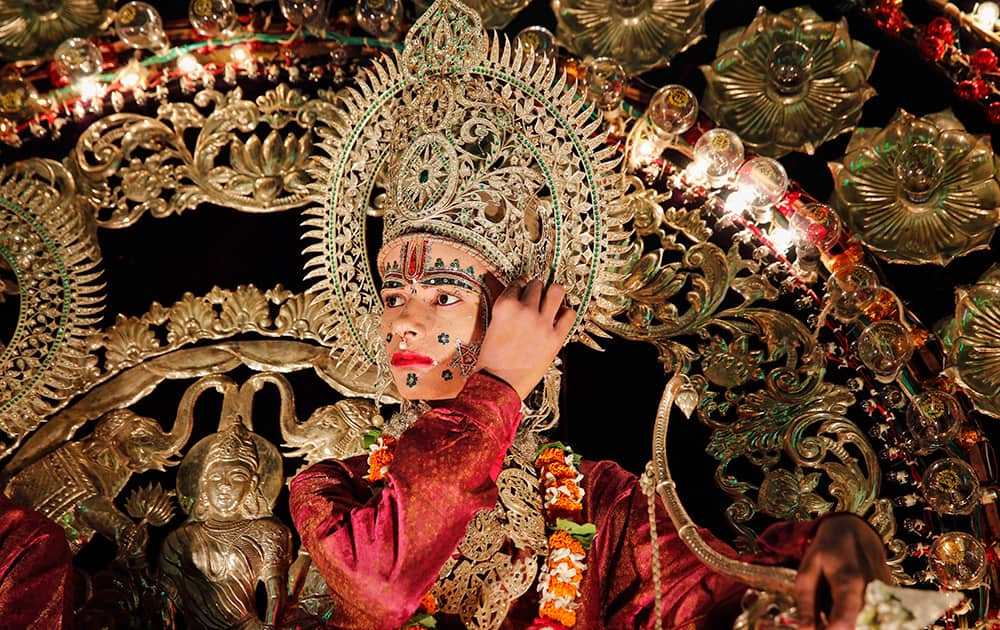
[212,564]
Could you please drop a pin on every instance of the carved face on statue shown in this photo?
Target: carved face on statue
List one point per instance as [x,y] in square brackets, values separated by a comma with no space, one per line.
[436,297]
[227,485]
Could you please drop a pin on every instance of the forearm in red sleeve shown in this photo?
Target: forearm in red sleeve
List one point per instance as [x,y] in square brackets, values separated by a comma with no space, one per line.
[381,553]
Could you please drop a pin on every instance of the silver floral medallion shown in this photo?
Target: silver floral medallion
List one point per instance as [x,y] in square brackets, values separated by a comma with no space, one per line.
[34,27]
[975,349]
[639,34]
[788,81]
[921,190]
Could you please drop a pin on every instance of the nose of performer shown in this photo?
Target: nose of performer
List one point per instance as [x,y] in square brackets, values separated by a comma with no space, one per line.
[410,325]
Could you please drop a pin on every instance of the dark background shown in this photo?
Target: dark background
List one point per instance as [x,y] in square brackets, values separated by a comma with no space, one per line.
[610,398]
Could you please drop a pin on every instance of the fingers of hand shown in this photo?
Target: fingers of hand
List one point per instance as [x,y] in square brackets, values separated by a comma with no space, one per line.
[552,301]
[532,294]
[806,585]
[847,587]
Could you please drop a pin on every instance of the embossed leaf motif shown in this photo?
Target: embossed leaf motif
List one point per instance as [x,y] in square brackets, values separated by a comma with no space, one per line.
[268,168]
[759,430]
[789,495]
[128,342]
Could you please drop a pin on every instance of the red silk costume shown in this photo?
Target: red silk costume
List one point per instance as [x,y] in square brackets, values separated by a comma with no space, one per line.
[35,570]
[381,553]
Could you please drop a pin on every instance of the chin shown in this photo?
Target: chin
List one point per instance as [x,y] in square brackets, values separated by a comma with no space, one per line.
[428,393]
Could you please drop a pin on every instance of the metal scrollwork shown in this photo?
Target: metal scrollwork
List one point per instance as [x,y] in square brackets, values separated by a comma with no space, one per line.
[754,373]
[50,261]
[128,165]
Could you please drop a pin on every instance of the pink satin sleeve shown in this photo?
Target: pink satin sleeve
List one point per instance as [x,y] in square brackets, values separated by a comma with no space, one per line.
[380,554]
[35,570]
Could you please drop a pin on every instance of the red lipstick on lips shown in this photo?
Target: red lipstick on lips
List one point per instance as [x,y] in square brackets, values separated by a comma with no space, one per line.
[406,359]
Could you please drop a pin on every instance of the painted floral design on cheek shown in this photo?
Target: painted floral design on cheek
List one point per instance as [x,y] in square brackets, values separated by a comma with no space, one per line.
[411,380]
[443,339]
[447,375]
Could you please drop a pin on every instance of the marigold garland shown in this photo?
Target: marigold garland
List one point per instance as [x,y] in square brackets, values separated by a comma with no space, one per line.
[559,582]
[380,454]
[560,578]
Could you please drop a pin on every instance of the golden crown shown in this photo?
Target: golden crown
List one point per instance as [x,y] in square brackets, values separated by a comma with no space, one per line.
[466,137]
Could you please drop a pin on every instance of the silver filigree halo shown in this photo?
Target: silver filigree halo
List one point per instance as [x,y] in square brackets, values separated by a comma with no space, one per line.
[466,137]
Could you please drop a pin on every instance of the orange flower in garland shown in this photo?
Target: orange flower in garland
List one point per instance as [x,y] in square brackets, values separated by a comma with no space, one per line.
[424,617]
[380,454]
[559,582]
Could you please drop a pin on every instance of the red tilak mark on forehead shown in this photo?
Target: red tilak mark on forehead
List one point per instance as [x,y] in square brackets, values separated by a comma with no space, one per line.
[414,258]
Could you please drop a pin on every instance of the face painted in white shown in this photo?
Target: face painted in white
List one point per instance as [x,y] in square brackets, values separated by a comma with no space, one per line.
[435,300]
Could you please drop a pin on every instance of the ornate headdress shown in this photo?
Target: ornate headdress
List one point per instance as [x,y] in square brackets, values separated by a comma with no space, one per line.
[468,138]
[234,445]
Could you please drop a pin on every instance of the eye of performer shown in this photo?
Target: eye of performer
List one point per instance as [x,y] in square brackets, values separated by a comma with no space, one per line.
[393,300]
[446,299]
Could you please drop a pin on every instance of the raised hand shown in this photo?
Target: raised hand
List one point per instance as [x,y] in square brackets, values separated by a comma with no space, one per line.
[528,328]
[846,554]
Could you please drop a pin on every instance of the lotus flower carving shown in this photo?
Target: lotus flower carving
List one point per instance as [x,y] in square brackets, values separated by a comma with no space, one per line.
[788,81]
[639,34]
[975,349]
[33,27]
[921,190]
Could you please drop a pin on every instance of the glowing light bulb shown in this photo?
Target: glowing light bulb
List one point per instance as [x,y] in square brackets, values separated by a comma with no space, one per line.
[763,181]
[132,76]
[188,64]
[89,88]
[782,239]
[986,14]
[717,155]
[239,53]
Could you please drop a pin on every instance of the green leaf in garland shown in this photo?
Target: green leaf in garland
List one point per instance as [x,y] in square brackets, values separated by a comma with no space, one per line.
[583,532]
[421,620]
[548,445]
[371,436]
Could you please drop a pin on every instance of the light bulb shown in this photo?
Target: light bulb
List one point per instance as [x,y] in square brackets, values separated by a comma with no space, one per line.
[788,69]
[89,88]
[848,289]
[717,155]
[212,17]
[239,53]
[132,76]
[605,80]
[933,418]
[188,64]
[884,347]
[818,224]
[18,98]
[919,169]
[986,14]
[950,486]
[672,110]
[761,182]
[538,41]
[958,560]
[138,25]
[381,18]
[781,238]
[309,14]
[77,58]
